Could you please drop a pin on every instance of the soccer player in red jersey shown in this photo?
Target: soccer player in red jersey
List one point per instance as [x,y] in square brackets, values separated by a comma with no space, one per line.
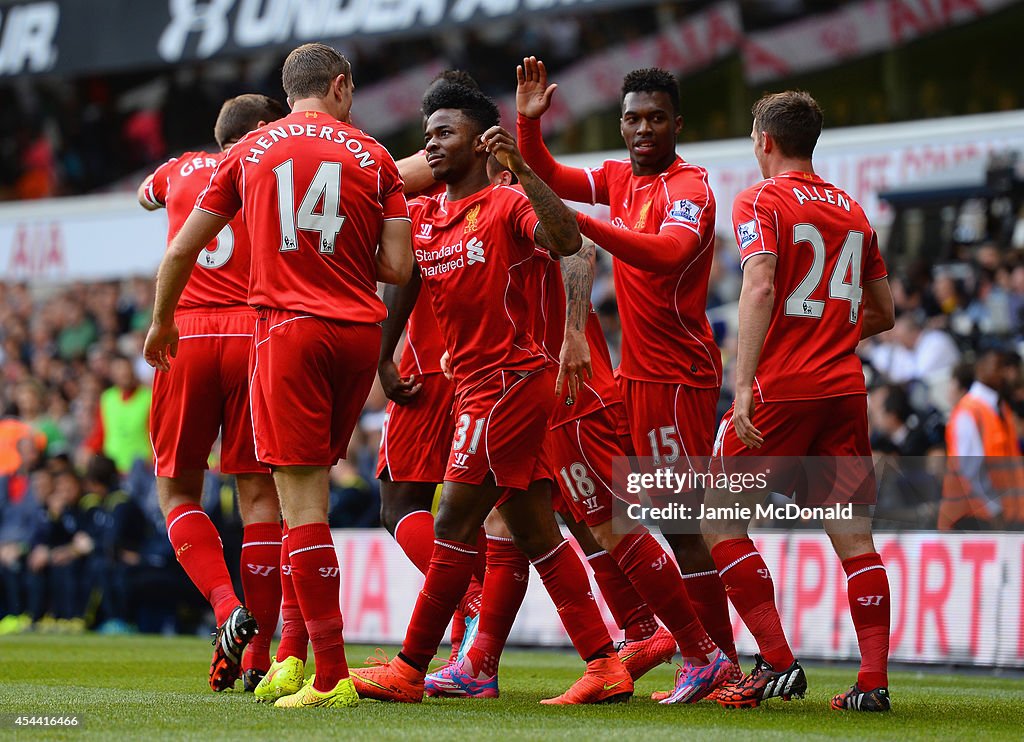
[206,393]
[582,442]
[814,286]
[662,239]
[419,424]
[323,205]
[471,245]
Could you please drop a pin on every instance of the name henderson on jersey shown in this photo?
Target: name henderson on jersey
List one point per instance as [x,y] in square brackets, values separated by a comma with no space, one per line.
[316,131]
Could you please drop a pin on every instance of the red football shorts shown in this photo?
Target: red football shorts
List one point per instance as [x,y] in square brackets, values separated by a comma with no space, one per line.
[310,379]
[206,393]
[582,452]
[672,425]
[417,437]
[817,449]
[500,426]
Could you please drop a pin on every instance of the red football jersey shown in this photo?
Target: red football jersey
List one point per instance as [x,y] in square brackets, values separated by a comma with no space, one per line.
[314,193]
[423,344]
[472,255]
[826,252]
[666,336]
[544,279]
[221,277]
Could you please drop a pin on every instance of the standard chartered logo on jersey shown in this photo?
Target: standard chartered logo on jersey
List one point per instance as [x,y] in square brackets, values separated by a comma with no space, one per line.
[451,257]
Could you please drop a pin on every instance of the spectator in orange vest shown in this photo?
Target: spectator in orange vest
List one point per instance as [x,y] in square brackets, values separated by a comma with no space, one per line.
[984,484]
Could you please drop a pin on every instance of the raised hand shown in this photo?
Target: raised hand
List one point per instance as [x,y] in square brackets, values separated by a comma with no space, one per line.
[533,94]
[502,145]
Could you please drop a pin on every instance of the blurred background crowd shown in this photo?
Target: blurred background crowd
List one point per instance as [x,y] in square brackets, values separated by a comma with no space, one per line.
[82,541]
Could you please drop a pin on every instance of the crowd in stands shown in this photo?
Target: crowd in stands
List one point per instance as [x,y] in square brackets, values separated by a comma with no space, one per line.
[82,540]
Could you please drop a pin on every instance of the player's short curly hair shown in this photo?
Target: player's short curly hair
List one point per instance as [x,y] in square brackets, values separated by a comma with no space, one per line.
[241,114]
[793,119]
[476,106]
[652,80]
[457,77]
[309,69]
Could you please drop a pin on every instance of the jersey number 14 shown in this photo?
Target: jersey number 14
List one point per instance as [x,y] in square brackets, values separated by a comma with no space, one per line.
[323,191]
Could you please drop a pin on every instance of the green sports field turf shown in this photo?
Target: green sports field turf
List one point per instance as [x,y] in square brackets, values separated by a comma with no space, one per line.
[155,688]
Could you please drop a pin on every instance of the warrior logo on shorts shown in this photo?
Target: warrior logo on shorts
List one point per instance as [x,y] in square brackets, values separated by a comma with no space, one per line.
[746,233]
[471,217]
[685,210]
[460,461]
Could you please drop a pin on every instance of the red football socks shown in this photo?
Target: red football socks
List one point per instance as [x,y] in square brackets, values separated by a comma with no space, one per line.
[294,639]
[657,580]
[199,550]
[508,574]
[415,534]
[629,610]
[261,584]
[751,590]
[867,586]
[707,596]
[317,580]
[566,581]
[451,568]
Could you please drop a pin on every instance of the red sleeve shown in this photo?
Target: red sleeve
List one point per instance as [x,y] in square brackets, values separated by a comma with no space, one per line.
[874,266]
[656,253]
[222,196]
[156,191]
[524,218]
[576,184]
[754,222]
[392,197]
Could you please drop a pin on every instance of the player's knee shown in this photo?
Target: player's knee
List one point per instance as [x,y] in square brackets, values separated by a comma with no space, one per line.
[459,530]
[257,499]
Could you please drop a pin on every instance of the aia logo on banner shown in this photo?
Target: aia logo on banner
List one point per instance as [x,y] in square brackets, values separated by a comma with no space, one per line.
[330,571]
[471,217]
[426,230]
[475,251]
[263,570]
[869,600]
[460,461]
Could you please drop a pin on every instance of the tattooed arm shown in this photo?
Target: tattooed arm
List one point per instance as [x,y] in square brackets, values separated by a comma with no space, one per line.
[558,230]
[574,364]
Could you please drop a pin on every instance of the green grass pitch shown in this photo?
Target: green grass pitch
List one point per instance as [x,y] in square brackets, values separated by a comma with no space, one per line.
[155,688]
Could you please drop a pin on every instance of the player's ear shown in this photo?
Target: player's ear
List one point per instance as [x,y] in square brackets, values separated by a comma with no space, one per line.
[679,124]
[766,142]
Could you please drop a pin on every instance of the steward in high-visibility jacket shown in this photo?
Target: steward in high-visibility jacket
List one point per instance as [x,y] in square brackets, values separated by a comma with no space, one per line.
[985,472]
